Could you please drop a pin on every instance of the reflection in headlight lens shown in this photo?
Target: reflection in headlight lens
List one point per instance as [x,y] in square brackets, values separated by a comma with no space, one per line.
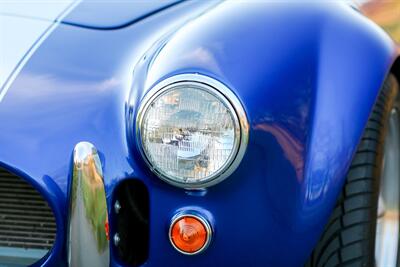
[189,133]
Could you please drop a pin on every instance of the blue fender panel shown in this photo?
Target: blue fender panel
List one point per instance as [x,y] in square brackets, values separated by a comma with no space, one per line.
[308,75]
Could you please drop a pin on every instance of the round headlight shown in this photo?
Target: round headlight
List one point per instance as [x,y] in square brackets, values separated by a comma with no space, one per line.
[192,130]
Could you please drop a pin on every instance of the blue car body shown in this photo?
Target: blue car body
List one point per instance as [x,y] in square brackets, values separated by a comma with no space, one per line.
[308,74]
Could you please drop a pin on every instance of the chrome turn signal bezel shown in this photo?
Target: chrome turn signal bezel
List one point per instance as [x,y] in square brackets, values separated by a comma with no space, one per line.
[198,217]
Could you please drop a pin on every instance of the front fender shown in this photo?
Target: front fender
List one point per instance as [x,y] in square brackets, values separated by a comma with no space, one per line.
[308,75]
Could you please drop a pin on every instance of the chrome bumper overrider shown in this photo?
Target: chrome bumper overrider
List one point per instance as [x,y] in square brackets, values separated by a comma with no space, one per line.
[88,243]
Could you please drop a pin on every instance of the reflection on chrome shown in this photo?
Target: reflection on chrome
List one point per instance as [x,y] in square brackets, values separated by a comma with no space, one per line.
[88,243]
[193,130]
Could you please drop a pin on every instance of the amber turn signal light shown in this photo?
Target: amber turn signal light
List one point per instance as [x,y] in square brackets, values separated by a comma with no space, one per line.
[190,234]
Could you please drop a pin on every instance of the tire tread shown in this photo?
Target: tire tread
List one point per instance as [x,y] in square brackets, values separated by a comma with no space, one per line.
[349,235]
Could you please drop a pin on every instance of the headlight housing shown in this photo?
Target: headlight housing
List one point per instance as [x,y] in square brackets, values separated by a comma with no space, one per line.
[192,131]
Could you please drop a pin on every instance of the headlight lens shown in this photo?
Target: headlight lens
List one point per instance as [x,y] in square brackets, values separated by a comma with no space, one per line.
[190,133]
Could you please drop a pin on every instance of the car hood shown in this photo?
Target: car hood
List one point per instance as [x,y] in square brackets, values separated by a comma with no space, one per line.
[23,25]
[87,13]
[105,15]
[26,24]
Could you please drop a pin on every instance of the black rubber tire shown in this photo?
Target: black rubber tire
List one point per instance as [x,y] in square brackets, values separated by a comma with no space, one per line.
[349,236]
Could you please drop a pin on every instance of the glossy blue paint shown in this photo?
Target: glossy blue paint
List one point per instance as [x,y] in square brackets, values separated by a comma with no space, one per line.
[86,100]
[108,15]
[307,73]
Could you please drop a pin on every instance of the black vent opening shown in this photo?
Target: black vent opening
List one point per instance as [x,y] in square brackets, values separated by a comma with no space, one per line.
[132,222]
[27,223]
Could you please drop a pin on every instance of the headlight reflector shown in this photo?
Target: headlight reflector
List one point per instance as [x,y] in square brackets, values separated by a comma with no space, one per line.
[190,133]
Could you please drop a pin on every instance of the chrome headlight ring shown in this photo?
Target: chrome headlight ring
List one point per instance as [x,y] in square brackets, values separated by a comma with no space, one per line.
[214,89]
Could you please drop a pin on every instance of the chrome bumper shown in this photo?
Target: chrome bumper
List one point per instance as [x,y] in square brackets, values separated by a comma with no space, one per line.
[87,241]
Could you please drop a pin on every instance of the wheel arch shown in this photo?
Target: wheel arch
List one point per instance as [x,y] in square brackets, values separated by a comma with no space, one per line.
[395,69]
